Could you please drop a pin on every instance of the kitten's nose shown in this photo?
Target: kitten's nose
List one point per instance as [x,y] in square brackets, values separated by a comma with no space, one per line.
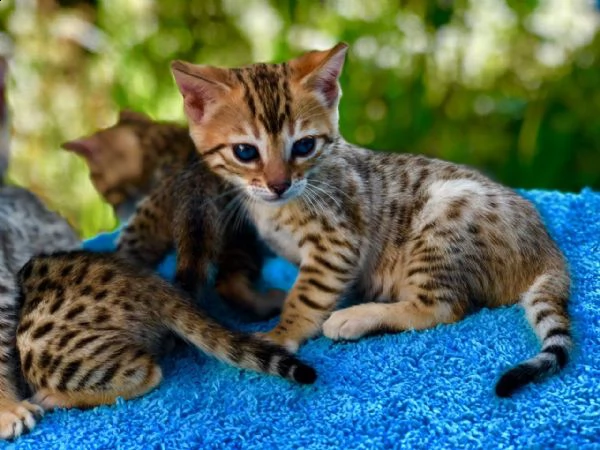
[279,188]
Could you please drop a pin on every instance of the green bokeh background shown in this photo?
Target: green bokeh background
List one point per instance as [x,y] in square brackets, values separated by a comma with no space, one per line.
[508,86]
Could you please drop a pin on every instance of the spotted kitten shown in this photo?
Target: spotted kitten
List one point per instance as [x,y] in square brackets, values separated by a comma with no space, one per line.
[423,241]
[27,227]
[92,326]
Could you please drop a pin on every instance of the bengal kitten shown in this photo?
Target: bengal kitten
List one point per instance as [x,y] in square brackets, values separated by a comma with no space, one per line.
[27,227]
[129,159]
[424,241]
[92,326]
[139,162]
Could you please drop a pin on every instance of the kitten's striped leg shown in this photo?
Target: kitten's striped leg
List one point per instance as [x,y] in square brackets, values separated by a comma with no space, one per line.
[136,377]
[370,318]
[426,300]
[324,277]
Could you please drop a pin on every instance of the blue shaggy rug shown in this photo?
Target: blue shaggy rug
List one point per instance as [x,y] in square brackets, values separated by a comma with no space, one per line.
[431,389]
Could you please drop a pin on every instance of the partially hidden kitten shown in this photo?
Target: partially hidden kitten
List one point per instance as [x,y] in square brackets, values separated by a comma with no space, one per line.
[153,166]
[27,227]
[92,326]
[422,241]
[129,159]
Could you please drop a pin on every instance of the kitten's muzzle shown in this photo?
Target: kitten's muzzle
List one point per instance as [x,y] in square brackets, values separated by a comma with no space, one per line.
[279,188]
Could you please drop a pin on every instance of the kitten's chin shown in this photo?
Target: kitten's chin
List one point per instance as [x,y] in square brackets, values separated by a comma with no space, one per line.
[275,201]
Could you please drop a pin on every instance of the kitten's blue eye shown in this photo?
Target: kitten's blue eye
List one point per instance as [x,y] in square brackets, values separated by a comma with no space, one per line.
[303,147]
[245,152]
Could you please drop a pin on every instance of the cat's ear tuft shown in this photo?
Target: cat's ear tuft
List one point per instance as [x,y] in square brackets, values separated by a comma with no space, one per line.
[127,115]
[85,147]
[321,70]
[200,86]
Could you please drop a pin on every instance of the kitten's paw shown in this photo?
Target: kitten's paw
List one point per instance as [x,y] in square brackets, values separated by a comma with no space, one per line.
[278,337]
[17,418]
[50,400]
[348,324]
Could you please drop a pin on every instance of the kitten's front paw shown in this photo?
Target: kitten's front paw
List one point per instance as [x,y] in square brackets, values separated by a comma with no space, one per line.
[17,418]
[347,324]
[277,336]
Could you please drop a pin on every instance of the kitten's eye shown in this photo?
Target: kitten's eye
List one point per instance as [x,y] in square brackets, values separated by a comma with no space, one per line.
[245,152]
[303,147]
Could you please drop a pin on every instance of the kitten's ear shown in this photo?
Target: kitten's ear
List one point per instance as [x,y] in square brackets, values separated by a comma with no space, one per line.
[320,70]
[86,147]
[127,115]
[200,86]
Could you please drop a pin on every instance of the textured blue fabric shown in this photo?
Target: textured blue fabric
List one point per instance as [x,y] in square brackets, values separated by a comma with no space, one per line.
[430,389]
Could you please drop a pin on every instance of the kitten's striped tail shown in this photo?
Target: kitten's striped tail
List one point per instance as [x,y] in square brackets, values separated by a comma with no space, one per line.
[239,349]
[545,305]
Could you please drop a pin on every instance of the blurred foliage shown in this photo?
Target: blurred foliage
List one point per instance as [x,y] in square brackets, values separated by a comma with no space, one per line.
[508,86]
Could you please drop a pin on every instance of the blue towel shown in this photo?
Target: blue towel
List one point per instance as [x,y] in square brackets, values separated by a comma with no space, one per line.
[428,389]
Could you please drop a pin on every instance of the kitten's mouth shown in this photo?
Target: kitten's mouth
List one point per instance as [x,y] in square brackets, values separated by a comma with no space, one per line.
[277,200]
[274,199]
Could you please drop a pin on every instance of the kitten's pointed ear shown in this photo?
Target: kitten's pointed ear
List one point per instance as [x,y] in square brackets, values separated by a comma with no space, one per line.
[127,115]
[85,147]
[200,86]
[320,70]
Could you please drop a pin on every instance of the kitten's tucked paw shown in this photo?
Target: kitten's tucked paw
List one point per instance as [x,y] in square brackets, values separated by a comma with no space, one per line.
[50,400]
[348,324]
[278,337]
[17,418]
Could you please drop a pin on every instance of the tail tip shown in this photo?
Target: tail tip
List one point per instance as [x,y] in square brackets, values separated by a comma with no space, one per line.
[507,385]
[304,374]
[515,379]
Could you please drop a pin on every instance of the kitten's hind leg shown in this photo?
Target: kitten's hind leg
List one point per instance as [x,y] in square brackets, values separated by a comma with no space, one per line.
[139,376]
[373,318]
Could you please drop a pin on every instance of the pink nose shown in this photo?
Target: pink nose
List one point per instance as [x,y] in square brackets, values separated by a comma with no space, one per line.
[279,188]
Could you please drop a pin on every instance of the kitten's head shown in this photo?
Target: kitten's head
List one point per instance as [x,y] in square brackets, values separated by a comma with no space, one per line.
[264,127]
[115,158]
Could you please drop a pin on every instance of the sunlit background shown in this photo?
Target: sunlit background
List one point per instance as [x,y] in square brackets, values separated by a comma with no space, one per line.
[511,87]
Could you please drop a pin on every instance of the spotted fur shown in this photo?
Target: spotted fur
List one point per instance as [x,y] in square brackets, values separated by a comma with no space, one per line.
[422,241]
[92,326]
